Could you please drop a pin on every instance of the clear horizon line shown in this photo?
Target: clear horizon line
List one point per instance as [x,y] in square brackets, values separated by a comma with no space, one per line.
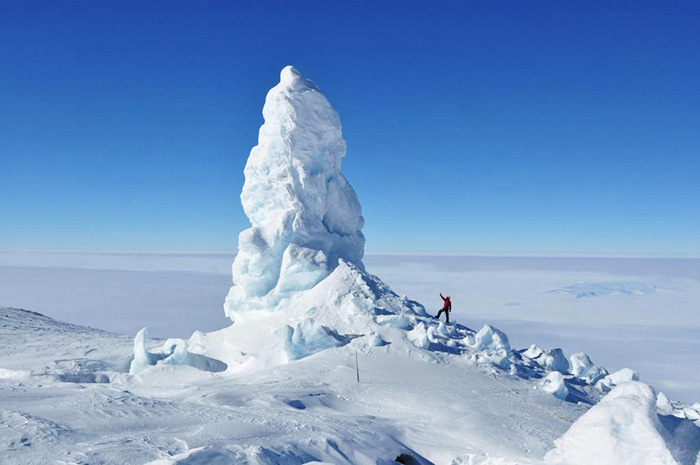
[515,254]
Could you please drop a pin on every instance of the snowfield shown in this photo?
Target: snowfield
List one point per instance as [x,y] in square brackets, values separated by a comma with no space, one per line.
[66,397]
[324,362]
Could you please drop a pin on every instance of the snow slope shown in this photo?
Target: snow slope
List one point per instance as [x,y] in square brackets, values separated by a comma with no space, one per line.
[122,292]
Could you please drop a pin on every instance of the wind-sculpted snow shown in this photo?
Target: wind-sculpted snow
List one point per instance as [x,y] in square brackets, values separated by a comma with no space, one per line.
[173,352]
[304,214]
[625,428]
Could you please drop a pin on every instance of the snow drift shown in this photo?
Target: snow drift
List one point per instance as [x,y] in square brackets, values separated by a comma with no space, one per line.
[304,214]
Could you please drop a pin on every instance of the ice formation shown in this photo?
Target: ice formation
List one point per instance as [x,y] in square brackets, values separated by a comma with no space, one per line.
[553,359]
[582,367]
[554,384]
[616,379]
[304,214]
[623,428]
[173,352]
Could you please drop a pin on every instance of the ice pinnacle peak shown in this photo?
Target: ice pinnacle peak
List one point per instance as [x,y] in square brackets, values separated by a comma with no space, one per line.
[290,78]
[305,216]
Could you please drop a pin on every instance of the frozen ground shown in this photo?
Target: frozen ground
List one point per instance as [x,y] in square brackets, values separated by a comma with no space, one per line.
[175,293]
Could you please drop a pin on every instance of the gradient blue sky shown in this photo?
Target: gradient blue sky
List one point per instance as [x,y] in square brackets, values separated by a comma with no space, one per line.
[476,126]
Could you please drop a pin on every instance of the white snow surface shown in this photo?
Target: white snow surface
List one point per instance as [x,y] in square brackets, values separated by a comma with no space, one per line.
[625,428]
[76,403]
[304,214]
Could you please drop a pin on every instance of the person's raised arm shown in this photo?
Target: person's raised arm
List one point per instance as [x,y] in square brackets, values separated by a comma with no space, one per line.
[442,296]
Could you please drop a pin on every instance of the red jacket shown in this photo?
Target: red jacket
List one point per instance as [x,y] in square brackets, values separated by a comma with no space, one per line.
[446,302]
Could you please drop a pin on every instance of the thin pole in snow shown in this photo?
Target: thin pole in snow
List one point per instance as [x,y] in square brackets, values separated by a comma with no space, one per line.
[357,368]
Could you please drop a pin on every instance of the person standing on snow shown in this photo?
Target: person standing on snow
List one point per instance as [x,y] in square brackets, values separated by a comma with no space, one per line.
[446,307]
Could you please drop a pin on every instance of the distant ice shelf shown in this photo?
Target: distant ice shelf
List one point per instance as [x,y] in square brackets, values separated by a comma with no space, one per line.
[582,289]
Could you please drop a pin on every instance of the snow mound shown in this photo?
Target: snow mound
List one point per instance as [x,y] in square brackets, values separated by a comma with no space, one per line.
[622,428]
[304,214]
[584,369]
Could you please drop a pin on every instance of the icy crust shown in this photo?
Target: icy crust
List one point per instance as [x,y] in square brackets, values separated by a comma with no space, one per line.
[173,352]
[304,214]
[624,427]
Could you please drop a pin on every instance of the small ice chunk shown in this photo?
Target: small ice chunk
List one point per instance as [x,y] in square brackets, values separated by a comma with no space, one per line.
[616,379]
[663,405]
[533,352]
[304,214]
[583,368]
[142,358]
[173,352]
[491,339]
[309,337]
[375,340]
[554,384]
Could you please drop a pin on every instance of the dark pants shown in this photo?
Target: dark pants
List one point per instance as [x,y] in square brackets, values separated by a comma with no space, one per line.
[446,310]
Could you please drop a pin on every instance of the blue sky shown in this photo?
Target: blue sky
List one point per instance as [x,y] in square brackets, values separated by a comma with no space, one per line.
[482,126]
